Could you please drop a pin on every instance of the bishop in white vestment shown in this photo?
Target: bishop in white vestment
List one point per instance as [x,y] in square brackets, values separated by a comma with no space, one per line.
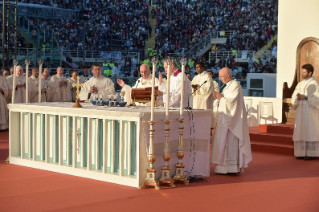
[306,99]
[34,87]
[231,150]
[20,86]
[46,79]
[97,84]
[145,81]
[175,87]
[4,115]
[59,88]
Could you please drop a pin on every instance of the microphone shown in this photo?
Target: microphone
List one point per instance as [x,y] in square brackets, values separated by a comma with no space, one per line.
[138,81]
[198,87]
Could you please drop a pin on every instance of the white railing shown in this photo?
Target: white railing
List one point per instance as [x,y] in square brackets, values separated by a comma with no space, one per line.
[244,55]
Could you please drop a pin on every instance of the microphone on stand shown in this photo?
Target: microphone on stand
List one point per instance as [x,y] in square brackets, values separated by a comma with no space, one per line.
[198,87]
[138,81]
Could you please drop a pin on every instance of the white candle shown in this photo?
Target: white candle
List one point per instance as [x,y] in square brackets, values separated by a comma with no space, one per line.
[40,80]
[168,86]
[14,82]
[182,93]
[153,90]
[26,83]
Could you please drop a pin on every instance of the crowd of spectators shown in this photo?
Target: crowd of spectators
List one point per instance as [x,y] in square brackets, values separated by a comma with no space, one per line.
[182,24]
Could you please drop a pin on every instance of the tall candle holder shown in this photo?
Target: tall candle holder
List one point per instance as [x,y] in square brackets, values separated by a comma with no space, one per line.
[179,175]
[150,180]
[166,169]
[15,63]
[27,63]
[40,80]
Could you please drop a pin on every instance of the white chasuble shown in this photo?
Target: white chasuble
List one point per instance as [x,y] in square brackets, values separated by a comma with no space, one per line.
[201,97]
[34,89]
[232,118]
[59,93]
[20,93]
[176,89]
[140,83]
[306,136]
[4,115]
[104,85]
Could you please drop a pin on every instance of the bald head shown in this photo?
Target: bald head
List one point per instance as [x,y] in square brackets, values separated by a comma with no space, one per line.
[225,75]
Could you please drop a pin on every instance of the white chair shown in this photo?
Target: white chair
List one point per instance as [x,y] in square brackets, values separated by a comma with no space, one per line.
[266,112]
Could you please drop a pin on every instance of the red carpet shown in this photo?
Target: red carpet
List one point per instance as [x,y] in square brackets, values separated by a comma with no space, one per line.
[272,183]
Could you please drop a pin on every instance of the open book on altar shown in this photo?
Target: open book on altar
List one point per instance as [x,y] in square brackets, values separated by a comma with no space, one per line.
[143,95]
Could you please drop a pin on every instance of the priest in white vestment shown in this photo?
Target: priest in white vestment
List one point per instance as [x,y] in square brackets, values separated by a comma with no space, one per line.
[20,86]
[99,85]
[34,87]
[202,85]
[4,113]
[306,99]
[231,150]
[59,87]
[73,79]
[175,87]
[85,76]
[145,81]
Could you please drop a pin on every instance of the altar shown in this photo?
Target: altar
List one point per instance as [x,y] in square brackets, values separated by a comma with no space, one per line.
[104,143]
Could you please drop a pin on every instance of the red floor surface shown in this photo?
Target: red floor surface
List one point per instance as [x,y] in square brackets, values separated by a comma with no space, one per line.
[271,183]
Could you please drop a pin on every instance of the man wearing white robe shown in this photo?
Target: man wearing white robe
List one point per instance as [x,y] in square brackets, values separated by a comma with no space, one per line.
[98,85]
[306,99]
[34,87]
[73,79]
[4,114]
[20,86]
[145,81]
[59,87]
[85,76]
[231,150]
[175,87]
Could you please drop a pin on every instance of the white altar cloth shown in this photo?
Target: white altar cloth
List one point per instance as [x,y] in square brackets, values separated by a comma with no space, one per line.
[106,140]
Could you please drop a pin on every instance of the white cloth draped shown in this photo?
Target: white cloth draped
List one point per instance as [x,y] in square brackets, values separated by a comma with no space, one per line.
[232,117]
[307,121]
[57,93]
[4,115]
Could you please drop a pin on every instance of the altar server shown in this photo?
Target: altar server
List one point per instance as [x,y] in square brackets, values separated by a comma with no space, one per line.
[306,99]
[73,79]
[145,81]
[34,86]
[175,87]
[59,88]
[4,115]
[20,86]
[97,84]
[231,143]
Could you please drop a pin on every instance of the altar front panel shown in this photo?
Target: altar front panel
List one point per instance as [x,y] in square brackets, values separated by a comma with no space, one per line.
[103,143]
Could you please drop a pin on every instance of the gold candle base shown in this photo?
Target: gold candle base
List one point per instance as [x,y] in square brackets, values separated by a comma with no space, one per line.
[150,180]
[8,160]
[77,104]
[179,174]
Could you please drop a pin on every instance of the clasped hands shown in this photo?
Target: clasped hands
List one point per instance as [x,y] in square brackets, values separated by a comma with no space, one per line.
[63,83]
[217,95]
[93,89]
[301,97]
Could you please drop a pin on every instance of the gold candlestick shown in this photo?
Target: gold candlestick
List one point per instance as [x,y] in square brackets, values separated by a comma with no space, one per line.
[166,169]
[179,175]
[150,180]
[78,85]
